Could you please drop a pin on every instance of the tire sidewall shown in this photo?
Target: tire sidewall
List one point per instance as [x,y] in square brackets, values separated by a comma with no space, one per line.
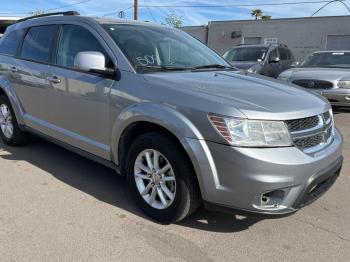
[161,144]
[6,101]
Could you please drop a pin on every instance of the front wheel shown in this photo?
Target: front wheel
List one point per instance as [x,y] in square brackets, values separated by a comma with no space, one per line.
[161,178]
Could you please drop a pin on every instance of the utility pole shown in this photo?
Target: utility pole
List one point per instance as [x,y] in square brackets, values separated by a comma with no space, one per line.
[135,9]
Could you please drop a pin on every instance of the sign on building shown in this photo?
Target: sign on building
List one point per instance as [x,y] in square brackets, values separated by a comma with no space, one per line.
[270,40]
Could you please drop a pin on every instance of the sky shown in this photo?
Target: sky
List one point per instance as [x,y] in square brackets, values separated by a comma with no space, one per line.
[199,12]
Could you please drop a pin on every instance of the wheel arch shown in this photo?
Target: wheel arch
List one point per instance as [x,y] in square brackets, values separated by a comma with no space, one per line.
[149,117]
[7,90]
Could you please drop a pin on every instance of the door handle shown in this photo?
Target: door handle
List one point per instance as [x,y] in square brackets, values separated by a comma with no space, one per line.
[54,79]
[14,69]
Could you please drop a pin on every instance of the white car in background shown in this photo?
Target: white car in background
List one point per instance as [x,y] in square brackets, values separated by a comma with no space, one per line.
[327,73]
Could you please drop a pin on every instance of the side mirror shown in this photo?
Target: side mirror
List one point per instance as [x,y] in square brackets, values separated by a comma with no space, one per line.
[274,59]
[91,61]
[295,64]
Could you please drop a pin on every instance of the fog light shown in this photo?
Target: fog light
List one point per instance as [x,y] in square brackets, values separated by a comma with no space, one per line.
[272,199]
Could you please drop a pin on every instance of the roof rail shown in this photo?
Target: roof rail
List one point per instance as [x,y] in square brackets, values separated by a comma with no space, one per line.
[49,14]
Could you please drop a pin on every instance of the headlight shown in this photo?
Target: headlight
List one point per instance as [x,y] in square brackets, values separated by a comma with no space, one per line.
[281,78]
[344,83]
[252,70]
[252,133]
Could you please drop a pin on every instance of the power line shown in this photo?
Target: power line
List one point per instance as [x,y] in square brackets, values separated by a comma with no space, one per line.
[331,2]
[236,5]
[150,12]
[64,6]
[51,9]
[111,13]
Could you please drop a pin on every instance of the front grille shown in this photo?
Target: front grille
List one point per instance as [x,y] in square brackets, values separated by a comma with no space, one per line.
[327,116]
[301,124]
[318,84]
[308,142]
[311,133]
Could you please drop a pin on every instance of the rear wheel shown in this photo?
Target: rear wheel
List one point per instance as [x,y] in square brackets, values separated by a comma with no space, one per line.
[10,132]
[161,178]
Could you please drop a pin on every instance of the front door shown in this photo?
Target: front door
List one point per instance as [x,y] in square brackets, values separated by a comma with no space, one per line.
[80,100]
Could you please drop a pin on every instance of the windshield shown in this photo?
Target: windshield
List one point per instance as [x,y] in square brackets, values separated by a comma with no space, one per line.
[153,48]
[246,54]
[328,59]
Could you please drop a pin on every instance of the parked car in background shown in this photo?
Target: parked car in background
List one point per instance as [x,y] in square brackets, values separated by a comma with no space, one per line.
[326,72]
[268,60]
[167,112]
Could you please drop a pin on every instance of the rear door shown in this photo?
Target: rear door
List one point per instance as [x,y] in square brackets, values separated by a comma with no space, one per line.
[285,57]
[31,72]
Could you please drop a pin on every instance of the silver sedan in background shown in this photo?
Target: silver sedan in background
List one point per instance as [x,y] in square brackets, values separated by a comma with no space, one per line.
[327,73]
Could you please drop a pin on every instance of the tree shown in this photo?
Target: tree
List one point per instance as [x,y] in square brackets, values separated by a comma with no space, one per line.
[37,12]
[265,17]
[172,20]
[257,13]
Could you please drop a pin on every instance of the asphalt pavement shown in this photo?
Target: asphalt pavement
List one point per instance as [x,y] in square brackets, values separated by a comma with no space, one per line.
[58,206]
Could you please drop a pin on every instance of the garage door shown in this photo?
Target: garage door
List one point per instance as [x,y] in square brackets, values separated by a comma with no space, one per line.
[252,40]
[338,42]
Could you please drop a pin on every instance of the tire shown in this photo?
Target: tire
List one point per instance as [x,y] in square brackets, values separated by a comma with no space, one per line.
[185,187]
[8,119]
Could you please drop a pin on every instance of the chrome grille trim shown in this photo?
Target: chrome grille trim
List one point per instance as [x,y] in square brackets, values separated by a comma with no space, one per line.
[313,84]
[312,134]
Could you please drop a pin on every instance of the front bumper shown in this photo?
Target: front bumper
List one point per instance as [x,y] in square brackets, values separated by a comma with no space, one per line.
[243,175]
[337,96]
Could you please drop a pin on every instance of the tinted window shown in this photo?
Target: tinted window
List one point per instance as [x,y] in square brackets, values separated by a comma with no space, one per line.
[273,53]
[246,54]
[328,59]
[75,39]
[9,43]
[283,54]
[37,43]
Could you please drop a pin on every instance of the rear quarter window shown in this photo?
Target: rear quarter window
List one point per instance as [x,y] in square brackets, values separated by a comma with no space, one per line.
[9,43]
[38,42]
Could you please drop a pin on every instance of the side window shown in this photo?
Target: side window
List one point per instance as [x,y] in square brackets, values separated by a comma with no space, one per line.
[283,53]
[9,44]
[229,55]
[38,42]
[75,39]
[273,53]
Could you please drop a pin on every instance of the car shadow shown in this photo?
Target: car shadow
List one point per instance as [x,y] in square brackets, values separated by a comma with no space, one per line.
[105,185]
[339,110]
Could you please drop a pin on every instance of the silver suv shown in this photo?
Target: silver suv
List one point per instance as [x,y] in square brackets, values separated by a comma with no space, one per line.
[168,113]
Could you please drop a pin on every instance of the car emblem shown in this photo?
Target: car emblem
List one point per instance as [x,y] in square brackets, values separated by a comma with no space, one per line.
[311,84]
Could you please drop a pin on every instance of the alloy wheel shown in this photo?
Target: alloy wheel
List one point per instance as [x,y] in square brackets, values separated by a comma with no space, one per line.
[6,119]
[155,179]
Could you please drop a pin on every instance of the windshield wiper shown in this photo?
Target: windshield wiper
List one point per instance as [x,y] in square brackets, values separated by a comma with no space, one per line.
[164,68]
[214,66]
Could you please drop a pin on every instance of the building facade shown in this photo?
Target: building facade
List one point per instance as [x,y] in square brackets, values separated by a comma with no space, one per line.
[302,35]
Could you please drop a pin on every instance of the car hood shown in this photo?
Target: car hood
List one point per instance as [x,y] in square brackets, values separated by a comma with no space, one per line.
[244,65]
[255,97]
[317,73]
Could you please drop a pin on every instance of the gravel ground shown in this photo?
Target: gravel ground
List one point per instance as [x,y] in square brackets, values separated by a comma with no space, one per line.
[58,206]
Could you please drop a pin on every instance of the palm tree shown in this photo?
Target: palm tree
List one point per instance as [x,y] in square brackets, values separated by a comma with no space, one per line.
[257,13]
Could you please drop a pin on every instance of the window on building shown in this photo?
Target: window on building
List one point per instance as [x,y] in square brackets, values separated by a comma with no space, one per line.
[9,44]
[38,42]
